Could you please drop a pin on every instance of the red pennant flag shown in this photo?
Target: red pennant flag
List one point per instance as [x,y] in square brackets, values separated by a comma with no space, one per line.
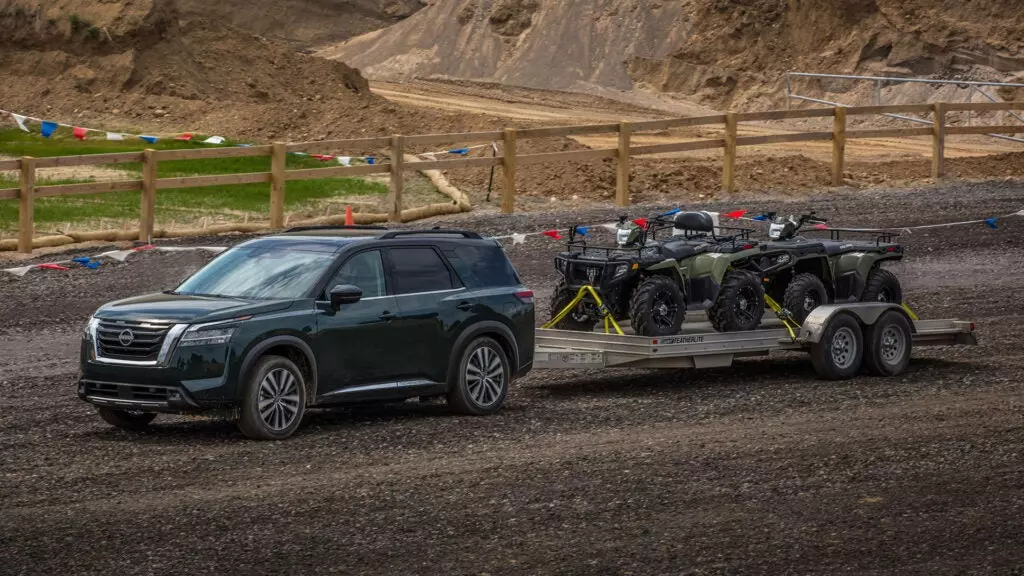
[324,157]
[735,214]
[53,267]
[821,226]
[79,132]
[186,137]
[553,234]
[143,248]
[641,222]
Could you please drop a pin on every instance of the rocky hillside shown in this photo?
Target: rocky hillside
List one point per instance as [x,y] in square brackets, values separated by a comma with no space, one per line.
[717,51]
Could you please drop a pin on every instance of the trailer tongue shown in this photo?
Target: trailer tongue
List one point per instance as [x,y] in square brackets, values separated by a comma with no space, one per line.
[842,339]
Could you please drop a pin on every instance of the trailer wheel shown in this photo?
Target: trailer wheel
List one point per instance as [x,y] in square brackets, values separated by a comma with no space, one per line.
[888,344]
[838,355]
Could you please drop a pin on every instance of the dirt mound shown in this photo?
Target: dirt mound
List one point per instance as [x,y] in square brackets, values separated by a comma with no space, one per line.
[719,52]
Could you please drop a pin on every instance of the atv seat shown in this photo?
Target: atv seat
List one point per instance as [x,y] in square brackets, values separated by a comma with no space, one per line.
[682,249]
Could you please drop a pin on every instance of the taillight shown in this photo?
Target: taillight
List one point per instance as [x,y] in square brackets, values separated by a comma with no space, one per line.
[526,296]
[972,326]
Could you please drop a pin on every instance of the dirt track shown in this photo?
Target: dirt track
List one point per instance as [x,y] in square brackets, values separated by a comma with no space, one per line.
[760,469]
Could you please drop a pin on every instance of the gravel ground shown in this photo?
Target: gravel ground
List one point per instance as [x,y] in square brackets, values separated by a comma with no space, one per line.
[756,469]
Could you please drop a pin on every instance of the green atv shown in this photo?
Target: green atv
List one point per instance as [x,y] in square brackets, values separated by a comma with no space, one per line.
[803,273]
[653,281]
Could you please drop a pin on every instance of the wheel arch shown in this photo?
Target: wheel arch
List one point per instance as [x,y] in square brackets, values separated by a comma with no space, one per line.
[291,347]
[501,333]
[865,313]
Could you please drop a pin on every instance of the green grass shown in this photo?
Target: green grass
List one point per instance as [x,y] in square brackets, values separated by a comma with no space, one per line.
[232,202]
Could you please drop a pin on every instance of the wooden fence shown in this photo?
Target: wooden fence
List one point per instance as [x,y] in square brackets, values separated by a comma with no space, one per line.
[509,160]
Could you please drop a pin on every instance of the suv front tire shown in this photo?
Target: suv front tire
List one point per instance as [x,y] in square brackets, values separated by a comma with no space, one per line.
[274,400]
[481,383]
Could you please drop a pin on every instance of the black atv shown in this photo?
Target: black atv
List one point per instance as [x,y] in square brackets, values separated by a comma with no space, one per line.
[803,273]
[654,281]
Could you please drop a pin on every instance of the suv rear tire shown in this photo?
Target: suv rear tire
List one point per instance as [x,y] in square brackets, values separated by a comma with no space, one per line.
[125,419]
[740,303]
[274,400]
[481,382]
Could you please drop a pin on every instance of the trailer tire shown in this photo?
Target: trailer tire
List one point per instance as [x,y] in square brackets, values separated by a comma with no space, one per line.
[882,286]
[658,307]
[740,303]
[888,343]
[839,353]
[575,320]
[804,293]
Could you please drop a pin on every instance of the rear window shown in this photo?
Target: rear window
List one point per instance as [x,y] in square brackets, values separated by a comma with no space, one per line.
[483,266]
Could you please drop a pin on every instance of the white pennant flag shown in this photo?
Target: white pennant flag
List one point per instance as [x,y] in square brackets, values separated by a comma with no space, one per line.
[19,271]
[214,140]
[518,239]
[114,136]
[1021,213]
[20,120]
[345,160]
[119,255]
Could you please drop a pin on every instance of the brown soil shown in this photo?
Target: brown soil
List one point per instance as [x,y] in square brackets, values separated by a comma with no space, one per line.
[751,470]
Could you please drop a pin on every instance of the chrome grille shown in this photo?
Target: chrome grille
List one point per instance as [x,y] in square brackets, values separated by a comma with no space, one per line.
[126,340]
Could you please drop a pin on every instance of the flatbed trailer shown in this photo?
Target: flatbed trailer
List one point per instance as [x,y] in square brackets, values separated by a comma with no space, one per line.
[842,339]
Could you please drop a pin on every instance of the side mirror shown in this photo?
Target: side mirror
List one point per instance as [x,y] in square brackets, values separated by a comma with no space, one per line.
[345,294]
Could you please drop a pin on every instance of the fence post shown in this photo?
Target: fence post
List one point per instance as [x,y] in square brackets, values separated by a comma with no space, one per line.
[622,168]
[278,158]
[838,146]
[397,160]
[729,166]
[148,202]
[26,210]
[939,141]
[508,196]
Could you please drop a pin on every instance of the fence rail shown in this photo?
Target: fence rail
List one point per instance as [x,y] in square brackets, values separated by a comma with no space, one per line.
[508,159]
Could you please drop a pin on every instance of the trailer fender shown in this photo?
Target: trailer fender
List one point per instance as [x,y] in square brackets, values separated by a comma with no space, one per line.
[867,313]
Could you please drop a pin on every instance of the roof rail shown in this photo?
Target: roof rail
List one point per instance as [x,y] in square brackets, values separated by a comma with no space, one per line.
[338,227]
[436,231]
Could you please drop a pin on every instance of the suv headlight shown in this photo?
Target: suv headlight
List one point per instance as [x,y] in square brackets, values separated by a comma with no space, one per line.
[200,336]
[90,327]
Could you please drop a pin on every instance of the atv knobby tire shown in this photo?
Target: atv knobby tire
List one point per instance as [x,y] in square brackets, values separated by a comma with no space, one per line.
[658,307]
[575,320]
[882,286]
[740,303]
[804,293]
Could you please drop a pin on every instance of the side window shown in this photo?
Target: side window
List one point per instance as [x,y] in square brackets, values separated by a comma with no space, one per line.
[365,270]
[483,266]
[418,270]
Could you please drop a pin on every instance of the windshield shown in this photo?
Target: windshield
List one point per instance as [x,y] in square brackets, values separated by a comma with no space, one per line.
[259,272]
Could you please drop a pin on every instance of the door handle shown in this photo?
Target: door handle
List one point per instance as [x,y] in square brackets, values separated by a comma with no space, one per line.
[464,306]
[386,316]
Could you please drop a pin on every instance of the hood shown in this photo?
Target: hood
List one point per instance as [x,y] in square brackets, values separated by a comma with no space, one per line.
[190,309]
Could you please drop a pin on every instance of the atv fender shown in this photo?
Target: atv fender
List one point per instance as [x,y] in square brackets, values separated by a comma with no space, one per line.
[670,266]
[867,313]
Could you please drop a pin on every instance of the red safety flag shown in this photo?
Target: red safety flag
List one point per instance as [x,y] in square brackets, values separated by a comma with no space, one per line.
[641,222]
[735,214]
[187,137]
[553,234]
[821,226]
[324,157]
[143,248]
[79,132]
[53,267]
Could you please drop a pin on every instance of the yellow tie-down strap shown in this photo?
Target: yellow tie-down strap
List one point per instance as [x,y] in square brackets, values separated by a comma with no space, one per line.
[792,326]
[606,314]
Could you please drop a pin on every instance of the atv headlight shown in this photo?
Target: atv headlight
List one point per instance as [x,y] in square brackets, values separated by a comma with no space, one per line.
[200,336]
[620,271]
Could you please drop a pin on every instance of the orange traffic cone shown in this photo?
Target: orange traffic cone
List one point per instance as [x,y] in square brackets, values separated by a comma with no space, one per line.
[349,220]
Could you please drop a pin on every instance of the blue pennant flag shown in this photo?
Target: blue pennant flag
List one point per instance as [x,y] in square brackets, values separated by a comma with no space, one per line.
[150,139]
[87,262]
[761,218]
[459,151]
[673,212]
[991,223]
[48,128]
[581,230]
[371,160]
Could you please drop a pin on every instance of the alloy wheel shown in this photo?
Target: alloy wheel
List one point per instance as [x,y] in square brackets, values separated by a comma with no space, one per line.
[485,376]
[278,400]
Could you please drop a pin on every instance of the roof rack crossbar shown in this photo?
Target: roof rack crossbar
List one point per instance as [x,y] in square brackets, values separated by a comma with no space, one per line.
[337,227]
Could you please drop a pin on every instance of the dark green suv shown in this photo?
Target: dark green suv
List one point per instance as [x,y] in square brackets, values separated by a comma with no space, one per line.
[316,317]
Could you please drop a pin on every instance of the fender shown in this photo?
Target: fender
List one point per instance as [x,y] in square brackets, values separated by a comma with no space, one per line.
[256,351]
[478,329]
[867,313]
